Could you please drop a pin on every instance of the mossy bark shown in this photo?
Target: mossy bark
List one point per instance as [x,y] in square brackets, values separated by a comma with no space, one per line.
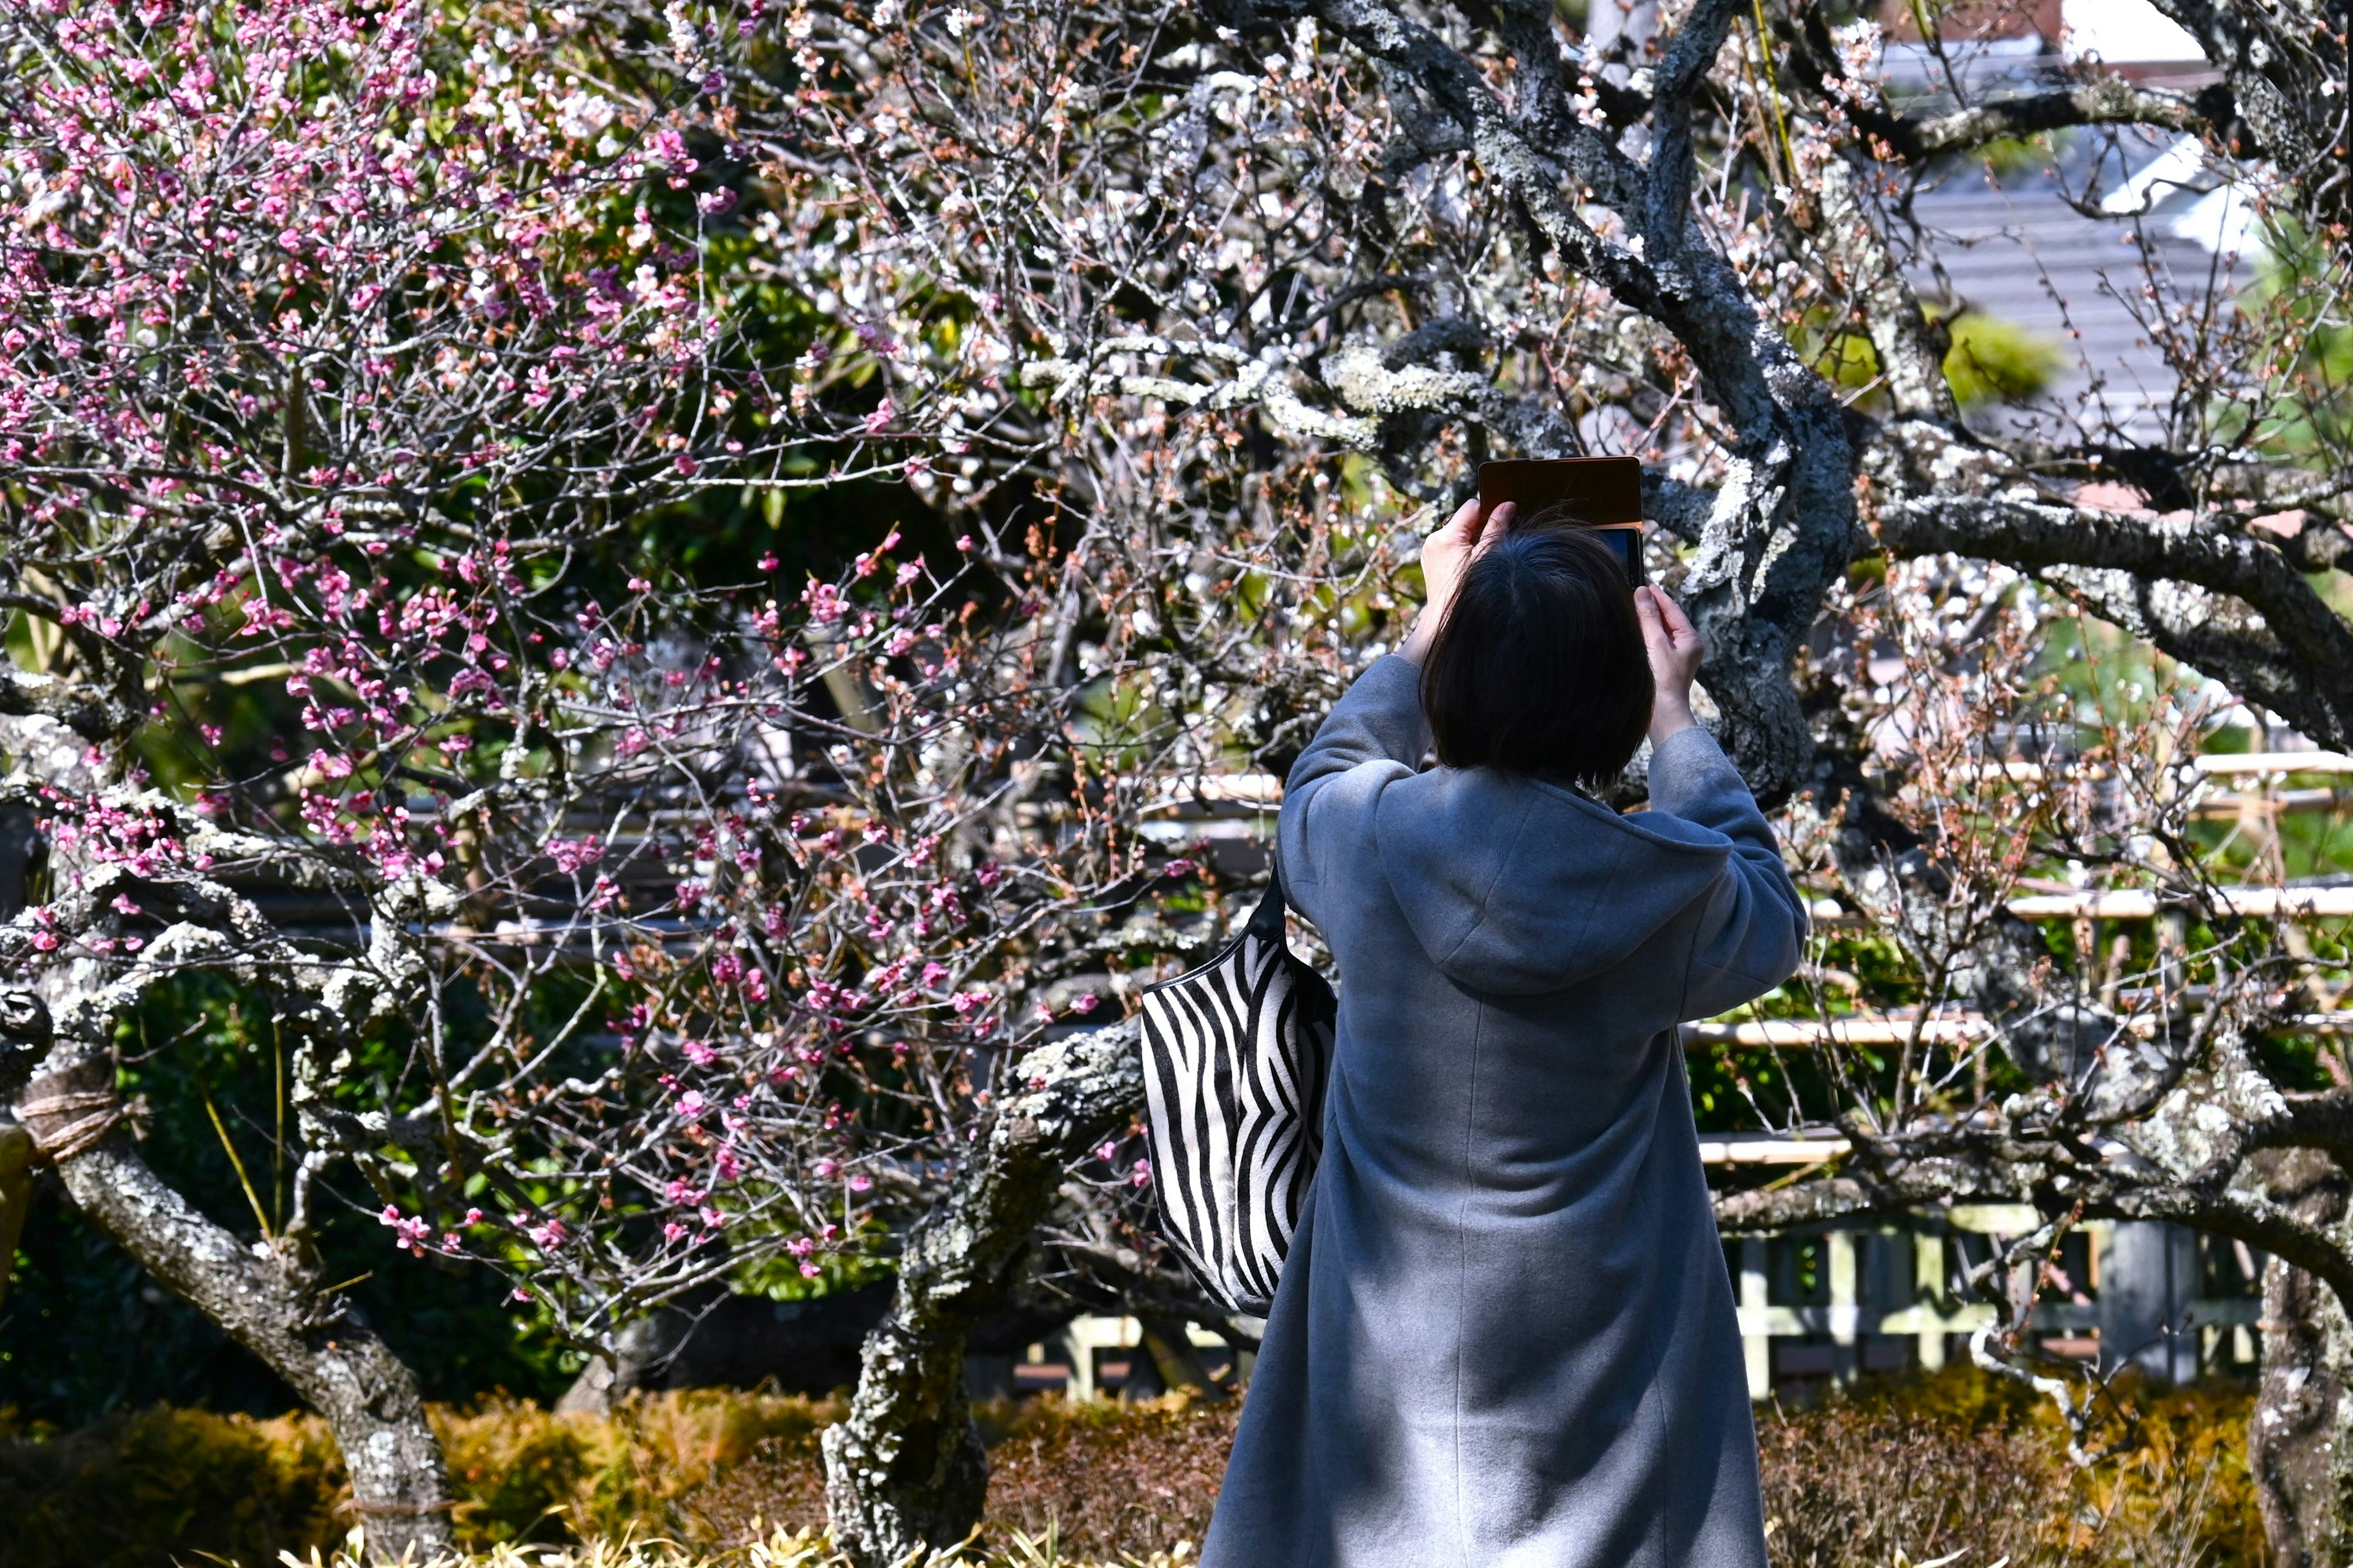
[263,1299]
[2300,1438]
[906,1470]
[263,1295]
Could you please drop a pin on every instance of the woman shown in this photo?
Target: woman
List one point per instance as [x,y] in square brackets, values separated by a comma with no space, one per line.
[1504,1333]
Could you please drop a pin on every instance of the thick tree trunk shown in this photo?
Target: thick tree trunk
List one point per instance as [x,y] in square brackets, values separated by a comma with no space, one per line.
[341,1370]
[2300,1438]
[906,1470]
[261,1295]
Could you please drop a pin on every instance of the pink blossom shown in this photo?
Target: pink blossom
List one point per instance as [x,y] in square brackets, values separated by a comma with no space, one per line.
[824,601]
[406,1233]
[571,855]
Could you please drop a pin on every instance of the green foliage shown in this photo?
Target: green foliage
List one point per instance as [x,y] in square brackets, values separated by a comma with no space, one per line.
[2103,670]
[2009,156]
[2302,409]
[1994,361]
[1990,361]
[781,1279]
[1847,965]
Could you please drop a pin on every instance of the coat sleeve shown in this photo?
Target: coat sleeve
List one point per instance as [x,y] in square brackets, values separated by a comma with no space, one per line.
[1752,927]
[1373,737]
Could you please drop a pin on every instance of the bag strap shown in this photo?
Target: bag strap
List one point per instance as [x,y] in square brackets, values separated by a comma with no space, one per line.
[1266,922]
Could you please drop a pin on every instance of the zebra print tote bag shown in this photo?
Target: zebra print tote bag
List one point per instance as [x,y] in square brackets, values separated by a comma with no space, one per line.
[1235,1057]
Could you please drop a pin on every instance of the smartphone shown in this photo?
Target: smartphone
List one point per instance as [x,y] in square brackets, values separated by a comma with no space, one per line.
[1603,495]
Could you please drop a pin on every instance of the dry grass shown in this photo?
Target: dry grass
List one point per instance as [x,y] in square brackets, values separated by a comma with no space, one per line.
[778,1549]
[1111,1479]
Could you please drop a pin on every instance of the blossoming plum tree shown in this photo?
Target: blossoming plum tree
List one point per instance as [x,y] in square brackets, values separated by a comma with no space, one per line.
[632,927]
[329,343]
[626,929]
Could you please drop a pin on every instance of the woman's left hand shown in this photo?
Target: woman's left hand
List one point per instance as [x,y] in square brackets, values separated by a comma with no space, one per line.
[1445,556]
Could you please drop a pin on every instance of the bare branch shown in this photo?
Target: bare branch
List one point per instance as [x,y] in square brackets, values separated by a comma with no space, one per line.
[2107,100]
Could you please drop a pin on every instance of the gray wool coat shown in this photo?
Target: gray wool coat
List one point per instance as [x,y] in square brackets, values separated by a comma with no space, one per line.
[1506,1333]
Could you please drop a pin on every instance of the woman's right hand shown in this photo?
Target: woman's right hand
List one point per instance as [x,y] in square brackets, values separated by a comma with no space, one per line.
[1445,556]
[1675,653]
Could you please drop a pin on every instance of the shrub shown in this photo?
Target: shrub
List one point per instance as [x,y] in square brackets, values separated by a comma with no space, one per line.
[1101,1479]
[134,1490]
[707,1467]
[1924,1467]
[1903,1471]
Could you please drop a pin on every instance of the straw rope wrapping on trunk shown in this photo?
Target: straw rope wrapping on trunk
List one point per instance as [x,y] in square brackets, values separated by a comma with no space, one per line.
[69,1110]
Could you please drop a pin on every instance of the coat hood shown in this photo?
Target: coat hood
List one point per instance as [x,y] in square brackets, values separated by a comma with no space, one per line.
[1515,886]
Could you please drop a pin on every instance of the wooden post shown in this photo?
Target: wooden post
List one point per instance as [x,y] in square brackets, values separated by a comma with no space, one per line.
[1756,1337]
[1929,1295]
[1837,1249]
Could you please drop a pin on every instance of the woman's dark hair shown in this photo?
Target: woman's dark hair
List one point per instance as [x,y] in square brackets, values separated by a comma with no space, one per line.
[1539,667]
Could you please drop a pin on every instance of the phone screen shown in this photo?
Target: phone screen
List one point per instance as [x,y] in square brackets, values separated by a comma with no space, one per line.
[1626,544]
